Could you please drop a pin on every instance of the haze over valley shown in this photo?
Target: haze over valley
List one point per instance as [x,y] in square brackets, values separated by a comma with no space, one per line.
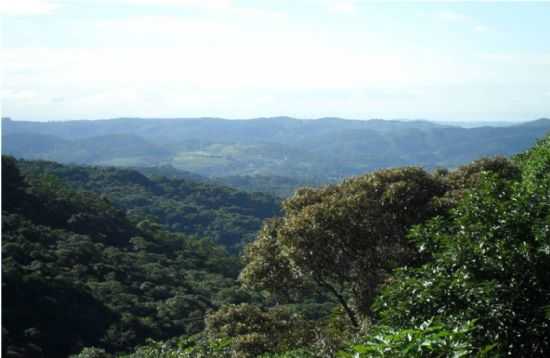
[305,151]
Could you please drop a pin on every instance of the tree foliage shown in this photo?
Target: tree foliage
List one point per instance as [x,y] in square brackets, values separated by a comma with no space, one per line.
[395,263]
[227,216]
[490,264]
[77,272]
[344,239]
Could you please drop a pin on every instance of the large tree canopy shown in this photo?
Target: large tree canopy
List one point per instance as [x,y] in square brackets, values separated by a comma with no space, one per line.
[344,239]
[490,264]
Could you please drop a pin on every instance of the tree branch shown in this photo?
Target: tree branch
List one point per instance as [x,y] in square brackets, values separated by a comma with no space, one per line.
[341,299]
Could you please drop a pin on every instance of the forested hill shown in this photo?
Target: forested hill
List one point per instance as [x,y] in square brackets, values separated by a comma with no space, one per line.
[227,216]
[322,150]
[419,264]
[278,186]
[394,263]
[78,272]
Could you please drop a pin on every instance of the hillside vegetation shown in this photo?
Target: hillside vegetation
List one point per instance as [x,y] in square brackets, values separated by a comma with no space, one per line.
[309,151]
[448,264]
[227,216]
[394,263]
[76,271]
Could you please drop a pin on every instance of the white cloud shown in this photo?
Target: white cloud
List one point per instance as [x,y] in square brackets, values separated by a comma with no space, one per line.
[18,95]
[242,55]
[460,19]
[209,4]
[481,28]
[342,6]
[254,77]
[27,7]
[171,27]
[518,59]
[205,63]
[451,1]
[253,63]
[452,16]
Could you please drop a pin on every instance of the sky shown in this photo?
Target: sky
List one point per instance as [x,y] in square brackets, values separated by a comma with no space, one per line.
[359,59]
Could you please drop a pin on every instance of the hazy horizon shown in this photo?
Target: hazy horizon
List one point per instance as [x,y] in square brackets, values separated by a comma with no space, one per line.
[441,61]
[459,123]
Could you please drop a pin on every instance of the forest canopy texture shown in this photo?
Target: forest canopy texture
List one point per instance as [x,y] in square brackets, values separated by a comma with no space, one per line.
[395,263]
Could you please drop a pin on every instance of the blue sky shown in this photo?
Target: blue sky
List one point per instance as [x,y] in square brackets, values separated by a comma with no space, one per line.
[439,60]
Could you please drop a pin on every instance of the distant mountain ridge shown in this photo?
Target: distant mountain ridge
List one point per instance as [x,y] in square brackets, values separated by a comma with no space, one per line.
[262,128]
[321,150]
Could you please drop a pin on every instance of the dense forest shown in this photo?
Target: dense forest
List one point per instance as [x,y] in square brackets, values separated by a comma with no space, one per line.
[398,262]
[305,151]
[275,185]
[77,271]
[417,264]
[227,216]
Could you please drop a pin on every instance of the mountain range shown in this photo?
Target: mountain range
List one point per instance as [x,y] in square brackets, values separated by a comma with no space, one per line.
[309,151]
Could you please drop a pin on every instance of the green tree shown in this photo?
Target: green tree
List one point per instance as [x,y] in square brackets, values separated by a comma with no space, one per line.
[490,264]
[253,330]
[344,239]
